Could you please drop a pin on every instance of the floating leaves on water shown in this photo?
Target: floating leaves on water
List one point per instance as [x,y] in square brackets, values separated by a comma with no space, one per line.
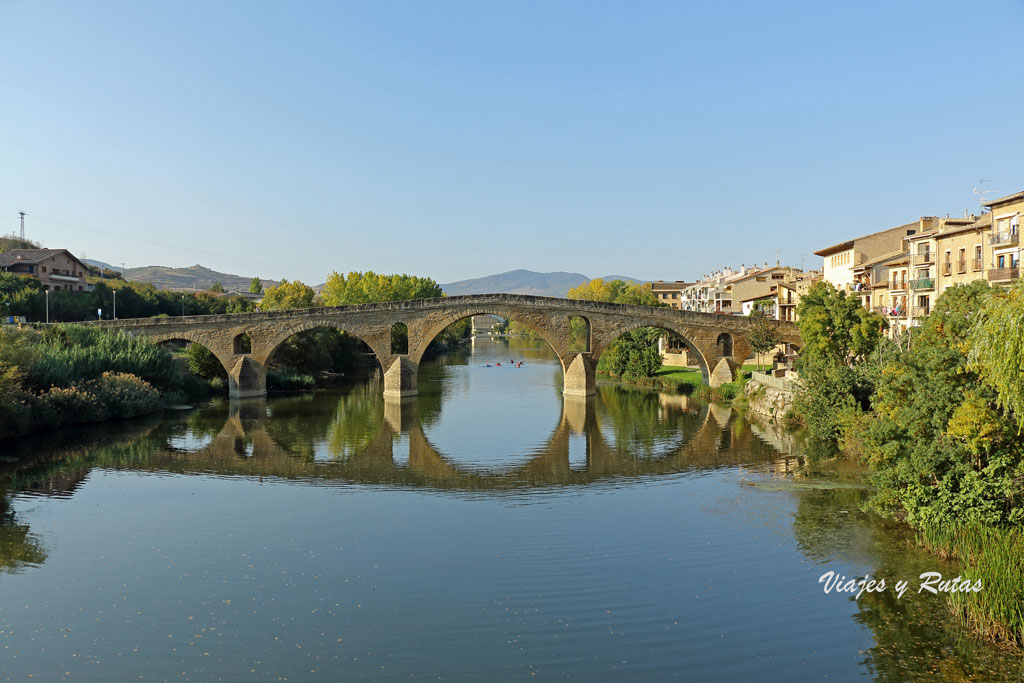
[804,485]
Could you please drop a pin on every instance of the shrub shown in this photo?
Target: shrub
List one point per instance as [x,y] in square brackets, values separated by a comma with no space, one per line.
[14,413]
[66,406]
[283,380]
[124,395]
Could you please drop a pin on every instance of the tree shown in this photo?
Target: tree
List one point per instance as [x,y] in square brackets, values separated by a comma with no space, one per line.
[941,452]
[764,334]
[371,287]
[217,287]
[202,362]
[288,295]
[256,286]
[836,385]
[997,349]
[615,292]
[836,325]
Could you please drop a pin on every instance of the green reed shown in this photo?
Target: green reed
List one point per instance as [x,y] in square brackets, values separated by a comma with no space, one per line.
[994,555]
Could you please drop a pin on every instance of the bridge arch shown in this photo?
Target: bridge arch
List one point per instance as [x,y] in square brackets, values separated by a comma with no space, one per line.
[724,344]
[379,343]
[268,347]
[428,333]
[189,338]
[686,335]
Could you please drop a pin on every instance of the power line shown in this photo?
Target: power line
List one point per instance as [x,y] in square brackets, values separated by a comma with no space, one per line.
[162,245]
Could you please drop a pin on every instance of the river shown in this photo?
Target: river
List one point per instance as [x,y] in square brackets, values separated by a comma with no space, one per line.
[485,530]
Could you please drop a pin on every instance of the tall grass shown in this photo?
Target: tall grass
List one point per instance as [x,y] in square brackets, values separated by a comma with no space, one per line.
[996,556]
[67,354]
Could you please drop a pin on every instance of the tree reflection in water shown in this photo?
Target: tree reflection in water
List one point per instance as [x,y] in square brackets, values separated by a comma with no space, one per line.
[914,638]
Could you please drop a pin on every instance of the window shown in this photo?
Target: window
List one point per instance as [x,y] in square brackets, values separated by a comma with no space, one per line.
[777,276]
[43,268]
[977,257]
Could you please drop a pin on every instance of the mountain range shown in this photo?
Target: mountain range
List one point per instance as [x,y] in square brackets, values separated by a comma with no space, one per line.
[512,282]
[525,282]
[200,277]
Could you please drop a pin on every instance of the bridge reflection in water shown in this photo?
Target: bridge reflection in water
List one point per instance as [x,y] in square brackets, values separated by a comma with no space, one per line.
[370,440]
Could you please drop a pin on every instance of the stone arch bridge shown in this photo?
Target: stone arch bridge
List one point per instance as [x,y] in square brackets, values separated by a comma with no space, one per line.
[245,342]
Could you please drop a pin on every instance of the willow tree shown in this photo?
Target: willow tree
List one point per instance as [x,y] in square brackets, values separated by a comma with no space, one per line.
[997,349]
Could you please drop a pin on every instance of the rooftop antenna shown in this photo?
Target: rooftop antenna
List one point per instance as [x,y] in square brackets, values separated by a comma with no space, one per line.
[22,214]
[981,192]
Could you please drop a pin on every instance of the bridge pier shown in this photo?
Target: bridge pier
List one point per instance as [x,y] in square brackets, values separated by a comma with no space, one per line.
[400,378]
[723,372]
[400,414]
[579,378]
[247,378]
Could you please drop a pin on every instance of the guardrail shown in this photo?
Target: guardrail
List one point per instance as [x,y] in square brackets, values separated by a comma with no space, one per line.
[923,283]
[1003,239]
[997,274]
[774,382]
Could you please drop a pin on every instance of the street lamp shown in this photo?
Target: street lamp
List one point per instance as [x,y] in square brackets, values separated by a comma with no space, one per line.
[47,306]
[183,305]
[115,304]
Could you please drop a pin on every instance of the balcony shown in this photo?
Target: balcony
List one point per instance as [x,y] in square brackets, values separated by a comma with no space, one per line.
[899,285]
[923,283]
[961,266]
[64,278]
[947,268]
[976,264]
[1003,274]
[923,257]
[921,311]
[1003,239]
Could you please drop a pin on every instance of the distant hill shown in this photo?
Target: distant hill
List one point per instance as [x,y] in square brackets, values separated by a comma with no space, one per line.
[524,282]
[164,277]
[8,242]
[99,264]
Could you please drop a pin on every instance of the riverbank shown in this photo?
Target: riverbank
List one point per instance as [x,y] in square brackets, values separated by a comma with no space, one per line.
[69,375]
[937,414]
[687,381]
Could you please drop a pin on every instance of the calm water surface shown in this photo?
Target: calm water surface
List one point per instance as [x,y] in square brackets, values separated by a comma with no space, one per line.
[486,530]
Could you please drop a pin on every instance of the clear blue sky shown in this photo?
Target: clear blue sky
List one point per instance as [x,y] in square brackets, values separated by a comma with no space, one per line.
[459,139]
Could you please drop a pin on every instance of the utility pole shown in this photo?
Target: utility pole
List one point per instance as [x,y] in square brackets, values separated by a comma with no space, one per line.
[22,214]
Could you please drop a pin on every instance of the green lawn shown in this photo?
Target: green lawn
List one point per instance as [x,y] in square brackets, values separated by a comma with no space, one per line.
[676,375]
